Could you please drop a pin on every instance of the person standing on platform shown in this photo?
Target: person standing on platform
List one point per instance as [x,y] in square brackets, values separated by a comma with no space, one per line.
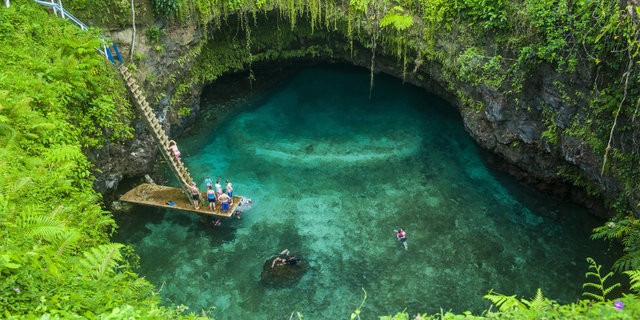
[211,197]
[230,190]
[218,186]
[195,195]
[224,202]
[207,182]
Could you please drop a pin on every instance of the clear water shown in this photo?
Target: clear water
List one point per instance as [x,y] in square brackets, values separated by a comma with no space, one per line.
[331,175]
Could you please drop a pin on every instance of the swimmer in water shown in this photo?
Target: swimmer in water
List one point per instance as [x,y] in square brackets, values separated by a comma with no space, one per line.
[401,235]
[283,258]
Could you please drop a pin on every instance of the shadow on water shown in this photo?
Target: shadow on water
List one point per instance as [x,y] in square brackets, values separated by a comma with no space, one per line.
[331,174]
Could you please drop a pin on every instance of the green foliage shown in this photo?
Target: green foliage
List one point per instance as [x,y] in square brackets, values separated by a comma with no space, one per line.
[627,230]
[489,14]
[601,290]
[397,18]
[106,12]
[476,67]
[552,132]
[155,33]
[57,96]
[634,275]
[65,81]
[184,111]
[166,8]
[504,302]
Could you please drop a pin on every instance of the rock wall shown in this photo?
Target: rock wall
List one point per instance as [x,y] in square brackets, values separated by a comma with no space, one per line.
[513,133]
[154,72]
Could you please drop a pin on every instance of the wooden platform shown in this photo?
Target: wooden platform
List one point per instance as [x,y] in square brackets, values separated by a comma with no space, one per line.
[160,196]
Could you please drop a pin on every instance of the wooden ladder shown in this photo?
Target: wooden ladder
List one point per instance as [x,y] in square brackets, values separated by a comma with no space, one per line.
[158,134]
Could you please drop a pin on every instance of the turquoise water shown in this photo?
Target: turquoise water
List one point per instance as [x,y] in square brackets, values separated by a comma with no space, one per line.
[331,175]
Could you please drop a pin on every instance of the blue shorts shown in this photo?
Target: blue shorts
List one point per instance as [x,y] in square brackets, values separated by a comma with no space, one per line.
[225,206]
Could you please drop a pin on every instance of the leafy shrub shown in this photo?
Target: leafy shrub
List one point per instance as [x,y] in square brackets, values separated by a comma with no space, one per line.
[166,8]
[155,33]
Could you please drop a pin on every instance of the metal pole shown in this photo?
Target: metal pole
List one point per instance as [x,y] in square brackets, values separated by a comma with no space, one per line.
[61,10]
[55,11]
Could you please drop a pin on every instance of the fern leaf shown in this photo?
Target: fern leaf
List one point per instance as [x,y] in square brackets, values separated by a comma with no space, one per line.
[607,276]
[504,303]
[41,226]
[396,18]
[629,261]
[609,289]
[101,260]
[66,243]
[634,276]
[538,303]
[594,296]
[592,285]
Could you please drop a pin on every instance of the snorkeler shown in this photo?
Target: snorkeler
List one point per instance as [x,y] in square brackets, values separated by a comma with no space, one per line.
[401,235]
[283,258]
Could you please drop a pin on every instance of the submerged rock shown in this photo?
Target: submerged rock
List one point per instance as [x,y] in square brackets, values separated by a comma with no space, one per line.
[282,275]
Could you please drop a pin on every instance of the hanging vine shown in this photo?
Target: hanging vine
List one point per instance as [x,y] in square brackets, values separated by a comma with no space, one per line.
[632,50]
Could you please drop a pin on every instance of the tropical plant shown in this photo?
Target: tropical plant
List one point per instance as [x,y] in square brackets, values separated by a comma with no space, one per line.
[166,8]
[538,304]
[601,290]
[627,230]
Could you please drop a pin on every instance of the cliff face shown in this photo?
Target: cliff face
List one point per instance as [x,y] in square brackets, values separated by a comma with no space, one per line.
[512,131]
[156,70]
[514,134]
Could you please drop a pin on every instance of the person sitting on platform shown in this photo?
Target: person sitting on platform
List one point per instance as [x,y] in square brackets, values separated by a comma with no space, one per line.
[224,201]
